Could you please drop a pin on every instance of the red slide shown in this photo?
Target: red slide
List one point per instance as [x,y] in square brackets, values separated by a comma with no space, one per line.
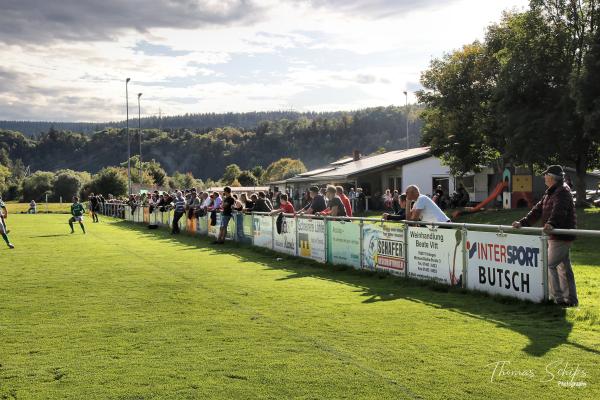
[495,193]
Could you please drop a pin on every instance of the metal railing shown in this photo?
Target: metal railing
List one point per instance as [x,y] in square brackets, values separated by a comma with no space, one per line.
[498,259]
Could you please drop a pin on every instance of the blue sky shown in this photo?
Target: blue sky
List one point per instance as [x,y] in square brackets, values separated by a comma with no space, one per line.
[69,61]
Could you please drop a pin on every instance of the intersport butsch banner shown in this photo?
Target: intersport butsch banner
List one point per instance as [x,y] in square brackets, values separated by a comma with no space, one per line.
[506,264]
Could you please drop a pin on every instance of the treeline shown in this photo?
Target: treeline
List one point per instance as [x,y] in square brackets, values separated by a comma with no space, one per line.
[198,123]
[17,183]
[315,141]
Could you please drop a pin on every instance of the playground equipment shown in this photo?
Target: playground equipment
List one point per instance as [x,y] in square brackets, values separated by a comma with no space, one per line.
[495,193]
[516,191]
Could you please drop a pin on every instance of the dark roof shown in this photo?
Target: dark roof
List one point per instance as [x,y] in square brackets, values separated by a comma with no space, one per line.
[369,163]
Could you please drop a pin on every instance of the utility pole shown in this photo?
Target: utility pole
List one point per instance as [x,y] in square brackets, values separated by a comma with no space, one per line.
[140,133]
[128,140]
[406,116]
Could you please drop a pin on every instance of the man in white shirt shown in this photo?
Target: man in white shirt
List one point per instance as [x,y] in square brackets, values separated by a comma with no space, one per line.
[424,208]
[205,198]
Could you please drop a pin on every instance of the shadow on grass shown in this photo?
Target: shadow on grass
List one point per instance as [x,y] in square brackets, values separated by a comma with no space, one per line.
[545,325]
[49,236]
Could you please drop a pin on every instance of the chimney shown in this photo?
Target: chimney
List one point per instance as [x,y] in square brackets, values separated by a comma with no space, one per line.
[356,155]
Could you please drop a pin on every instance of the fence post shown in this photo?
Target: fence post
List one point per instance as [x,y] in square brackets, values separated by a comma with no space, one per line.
[405,250]
[273,222]
[465,257]
[544,240]
[296,219]
[326,237]
[361,241]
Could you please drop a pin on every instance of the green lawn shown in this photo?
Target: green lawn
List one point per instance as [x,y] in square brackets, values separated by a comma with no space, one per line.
[16,207]
[128,313]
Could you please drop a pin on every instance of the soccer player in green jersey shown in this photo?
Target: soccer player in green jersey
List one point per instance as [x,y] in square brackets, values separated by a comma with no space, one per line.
[3,231]
[77,211]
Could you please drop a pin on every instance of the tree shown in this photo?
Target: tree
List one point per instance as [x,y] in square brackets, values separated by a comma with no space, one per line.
[457,119]
[157,173]
[587,96]
[572,29]
[5,175]
[528,100]
[36,186]
[528,95]
[246,178]
[66,185]
[258,172]
[282,169]
[232,172]
[110,180]
[182,181]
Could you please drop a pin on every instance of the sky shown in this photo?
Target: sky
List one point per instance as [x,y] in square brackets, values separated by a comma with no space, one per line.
[68,60]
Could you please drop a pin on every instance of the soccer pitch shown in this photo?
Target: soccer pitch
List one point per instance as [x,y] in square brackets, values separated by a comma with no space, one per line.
[128,313]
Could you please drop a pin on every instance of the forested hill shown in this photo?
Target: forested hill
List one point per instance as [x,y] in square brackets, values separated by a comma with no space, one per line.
[315,141]
[194,122]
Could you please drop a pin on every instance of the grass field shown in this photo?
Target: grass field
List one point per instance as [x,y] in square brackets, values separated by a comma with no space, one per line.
[17,208]
[128,313]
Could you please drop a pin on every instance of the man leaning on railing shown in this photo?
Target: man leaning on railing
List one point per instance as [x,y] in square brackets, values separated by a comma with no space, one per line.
[424,208]
[556,211]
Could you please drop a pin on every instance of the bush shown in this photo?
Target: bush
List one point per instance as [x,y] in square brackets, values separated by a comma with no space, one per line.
[36,186]
[66,185]
[246,178]
[282,169]
[109,180]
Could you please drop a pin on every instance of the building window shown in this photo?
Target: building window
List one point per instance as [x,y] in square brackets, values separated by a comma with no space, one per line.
[468,183]
[394,183]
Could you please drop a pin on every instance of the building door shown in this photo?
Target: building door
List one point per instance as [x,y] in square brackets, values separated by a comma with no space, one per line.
[445,182]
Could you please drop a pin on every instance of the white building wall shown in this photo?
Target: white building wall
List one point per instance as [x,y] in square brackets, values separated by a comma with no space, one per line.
[481,187]
[421,172]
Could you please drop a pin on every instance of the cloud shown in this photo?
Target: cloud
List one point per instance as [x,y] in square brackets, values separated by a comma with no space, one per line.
[42,21]
[237,56]
[378,8]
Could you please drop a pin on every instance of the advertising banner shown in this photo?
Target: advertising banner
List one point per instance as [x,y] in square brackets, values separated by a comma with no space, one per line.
[155,217]
[192,225]
[128,213]
[213,231]
[383,248]
[244,228]
[262,231]
[203,225]
[231,228]
[164,218]
[311,239]
[285,242]
[247,225]
[435,255]
[343,243]
[182,223]
[508,264]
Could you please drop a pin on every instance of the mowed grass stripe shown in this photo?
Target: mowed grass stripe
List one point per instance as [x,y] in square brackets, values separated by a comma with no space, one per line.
[126,312]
